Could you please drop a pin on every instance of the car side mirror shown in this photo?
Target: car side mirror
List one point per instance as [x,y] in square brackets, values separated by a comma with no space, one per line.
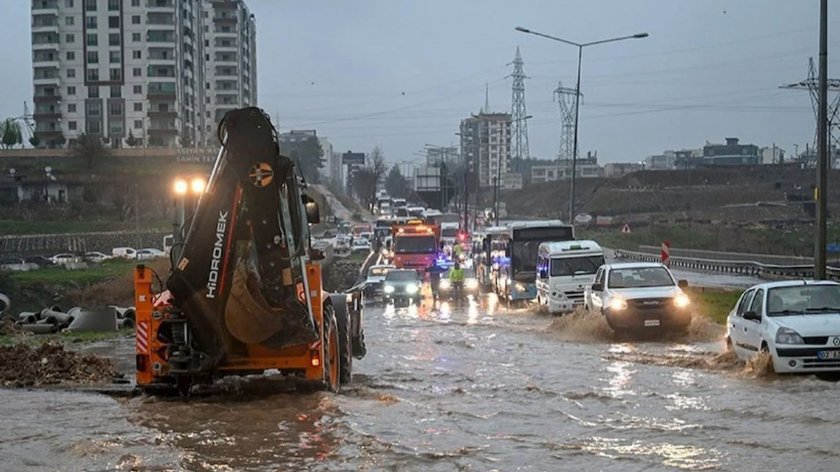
[313,215]
[597,287]
[682,283]
[752,316]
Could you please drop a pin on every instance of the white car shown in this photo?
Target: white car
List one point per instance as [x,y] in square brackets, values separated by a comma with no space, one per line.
[124,252]
[96,256]
[796,321]
[639,296]
[149,253]
[64,258]
[361,245]
[375,279]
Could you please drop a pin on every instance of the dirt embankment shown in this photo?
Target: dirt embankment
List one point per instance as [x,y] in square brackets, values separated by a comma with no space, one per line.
[22,365]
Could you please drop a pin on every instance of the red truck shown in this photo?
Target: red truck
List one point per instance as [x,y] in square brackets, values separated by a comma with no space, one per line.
[415,245]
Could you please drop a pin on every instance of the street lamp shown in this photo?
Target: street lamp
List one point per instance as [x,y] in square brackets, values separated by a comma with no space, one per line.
[580,47]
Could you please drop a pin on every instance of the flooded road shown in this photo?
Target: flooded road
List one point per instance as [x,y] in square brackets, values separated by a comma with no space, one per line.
[480,388]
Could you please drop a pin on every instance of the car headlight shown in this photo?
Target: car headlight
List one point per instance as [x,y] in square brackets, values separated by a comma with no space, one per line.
[681,301]
[411,289]
[471,284]
[788,336]
[445,284]
[520,287]
[618,304]
[388,289]
[349,297]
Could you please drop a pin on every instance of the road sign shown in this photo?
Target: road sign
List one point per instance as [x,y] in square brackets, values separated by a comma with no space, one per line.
[626,228]
[665,253]
[832,247]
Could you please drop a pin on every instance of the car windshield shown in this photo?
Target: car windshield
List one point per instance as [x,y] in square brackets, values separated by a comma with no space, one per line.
[639,277]
[803,300]
[449,232]
[402,276]
[415,245]
[576,265]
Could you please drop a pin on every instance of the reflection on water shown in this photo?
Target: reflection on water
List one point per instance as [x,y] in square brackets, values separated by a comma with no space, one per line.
[447,387]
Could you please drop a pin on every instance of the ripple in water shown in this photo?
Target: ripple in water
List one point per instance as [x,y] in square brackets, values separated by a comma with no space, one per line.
[591,327]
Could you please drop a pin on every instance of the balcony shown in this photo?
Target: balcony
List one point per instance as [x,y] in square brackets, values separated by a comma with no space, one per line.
[153,4]
[46,116]
[44,7]
[161,91]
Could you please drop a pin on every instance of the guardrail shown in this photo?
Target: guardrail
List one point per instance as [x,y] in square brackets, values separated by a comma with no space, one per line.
[735,267]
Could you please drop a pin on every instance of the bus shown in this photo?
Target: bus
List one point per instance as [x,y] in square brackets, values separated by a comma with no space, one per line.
[514,253]
[485,256]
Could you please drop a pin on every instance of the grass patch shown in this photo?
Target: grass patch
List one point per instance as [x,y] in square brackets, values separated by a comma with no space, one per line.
[716,304]
[20,227]
[64,338]
[59,275]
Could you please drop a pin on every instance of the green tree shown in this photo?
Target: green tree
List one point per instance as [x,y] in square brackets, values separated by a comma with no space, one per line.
[89,148]
[364,185]
[309,157]
[395,184]
[131,141]
[10,133]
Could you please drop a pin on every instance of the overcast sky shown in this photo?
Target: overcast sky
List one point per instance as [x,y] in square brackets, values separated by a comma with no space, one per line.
[402,74]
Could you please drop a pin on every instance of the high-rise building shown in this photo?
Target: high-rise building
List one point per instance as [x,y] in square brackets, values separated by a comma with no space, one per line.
[230,58]
[485,144]
[132,71]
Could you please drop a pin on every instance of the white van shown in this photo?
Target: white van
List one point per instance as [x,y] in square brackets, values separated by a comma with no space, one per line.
[124,252]
[564,270]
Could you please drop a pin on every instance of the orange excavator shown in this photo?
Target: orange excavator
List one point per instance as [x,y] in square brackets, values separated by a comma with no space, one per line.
[244,294]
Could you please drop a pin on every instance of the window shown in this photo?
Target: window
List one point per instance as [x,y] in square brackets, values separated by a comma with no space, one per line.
[135,20]
[138,89]
[71,56]
[71,108]
[93,57]
[115,74]
[115,108]
[116,91]
[71,73]
[137,54]
[113,5]
[113,22]
[90,22]
[757,304]
[71,125]
[114,57]
[69,20]
[90,5]
[138,107]
[135,37]
[745,302]
[93,92]
[71,90]
[137,72]
[138,124]
[114,39]
[93,75]
[92,39]
[135,3]
[68,3]
[70,38]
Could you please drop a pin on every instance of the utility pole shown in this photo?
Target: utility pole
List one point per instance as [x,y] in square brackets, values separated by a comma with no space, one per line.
[518,113]
[822,148]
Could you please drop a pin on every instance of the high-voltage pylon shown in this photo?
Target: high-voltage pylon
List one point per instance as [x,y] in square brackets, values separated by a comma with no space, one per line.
[566,97]
[518,118]
[811,84]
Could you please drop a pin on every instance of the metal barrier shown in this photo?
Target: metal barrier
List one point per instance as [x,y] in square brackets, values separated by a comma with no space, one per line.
[735,267]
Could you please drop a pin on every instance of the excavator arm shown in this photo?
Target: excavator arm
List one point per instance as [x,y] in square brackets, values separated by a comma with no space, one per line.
[240,277]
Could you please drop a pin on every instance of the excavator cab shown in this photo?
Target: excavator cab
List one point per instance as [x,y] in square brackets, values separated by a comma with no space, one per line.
[245,294]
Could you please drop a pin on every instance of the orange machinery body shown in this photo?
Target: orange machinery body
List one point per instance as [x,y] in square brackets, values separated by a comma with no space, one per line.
[152,366]
[414,229]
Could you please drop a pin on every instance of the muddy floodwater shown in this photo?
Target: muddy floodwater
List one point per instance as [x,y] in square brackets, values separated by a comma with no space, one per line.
[479,388]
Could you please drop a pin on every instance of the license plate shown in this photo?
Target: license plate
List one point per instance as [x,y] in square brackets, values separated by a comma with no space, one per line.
[651,322]
[828,354]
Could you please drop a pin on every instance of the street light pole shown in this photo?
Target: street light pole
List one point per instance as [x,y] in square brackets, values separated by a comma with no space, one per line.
[580,47]
[822,149]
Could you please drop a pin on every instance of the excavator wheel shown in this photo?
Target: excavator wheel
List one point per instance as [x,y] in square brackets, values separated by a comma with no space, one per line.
[342,320]
[332,358]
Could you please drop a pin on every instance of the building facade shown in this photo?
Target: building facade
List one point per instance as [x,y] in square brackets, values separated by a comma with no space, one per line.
[485,144]
[134,72]
[615,170]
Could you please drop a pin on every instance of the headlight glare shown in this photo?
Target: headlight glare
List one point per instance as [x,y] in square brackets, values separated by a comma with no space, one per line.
[618,304]
[411,288]
[681,301]
[445,284]
[388,289]
[471,284]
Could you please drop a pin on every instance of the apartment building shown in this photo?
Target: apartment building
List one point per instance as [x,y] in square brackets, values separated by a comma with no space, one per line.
[485,144]
[130,71]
